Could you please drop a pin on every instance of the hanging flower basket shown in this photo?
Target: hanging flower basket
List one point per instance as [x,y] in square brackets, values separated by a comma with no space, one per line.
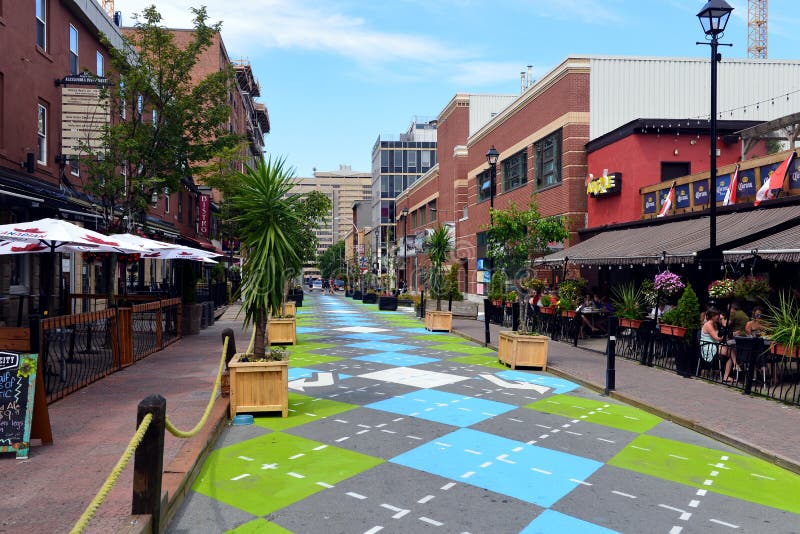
[721,289]
[668,283]
[751,288]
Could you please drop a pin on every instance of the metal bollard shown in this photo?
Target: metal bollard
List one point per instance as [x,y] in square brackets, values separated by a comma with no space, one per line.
[487,311]
[611,351]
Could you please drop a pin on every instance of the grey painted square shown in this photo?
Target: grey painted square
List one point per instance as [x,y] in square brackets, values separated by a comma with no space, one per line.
[199,514]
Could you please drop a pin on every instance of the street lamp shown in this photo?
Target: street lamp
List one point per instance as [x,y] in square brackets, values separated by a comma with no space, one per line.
[491,158]
[404,218]
[713,18]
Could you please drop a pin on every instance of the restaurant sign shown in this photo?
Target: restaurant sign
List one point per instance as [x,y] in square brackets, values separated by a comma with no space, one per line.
[683,198]
[794,177]
[650,203]
[700,192]
[203,208]
[608,184]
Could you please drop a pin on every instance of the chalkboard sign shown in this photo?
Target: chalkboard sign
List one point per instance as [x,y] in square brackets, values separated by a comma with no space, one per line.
[17,385]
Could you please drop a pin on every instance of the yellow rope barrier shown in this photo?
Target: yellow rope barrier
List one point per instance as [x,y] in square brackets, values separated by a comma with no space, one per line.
[105,489]
[108,485]
[181,434]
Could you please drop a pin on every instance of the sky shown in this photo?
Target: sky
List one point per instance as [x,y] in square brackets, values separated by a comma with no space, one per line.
[336,74]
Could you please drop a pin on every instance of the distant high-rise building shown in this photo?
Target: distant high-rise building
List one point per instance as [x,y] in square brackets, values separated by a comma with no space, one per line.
[396,165]
[343,187]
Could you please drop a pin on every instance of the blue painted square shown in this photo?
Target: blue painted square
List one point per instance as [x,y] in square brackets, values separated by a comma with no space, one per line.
[559,385]
[369,337]
[420,330]
[300,372]
[441,407]
[552,521]
[502,465]
[380,346]
[307,330]
[396,358]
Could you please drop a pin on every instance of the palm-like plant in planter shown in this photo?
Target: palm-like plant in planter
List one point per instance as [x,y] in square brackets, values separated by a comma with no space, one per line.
[783,324]
[439,247]
[627,301]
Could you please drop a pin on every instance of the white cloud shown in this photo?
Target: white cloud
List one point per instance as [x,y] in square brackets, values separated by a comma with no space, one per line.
[471,74]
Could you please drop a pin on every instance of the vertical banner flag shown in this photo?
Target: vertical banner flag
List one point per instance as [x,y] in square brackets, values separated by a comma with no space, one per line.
[668,201]
[203,208]
[730,196]
[773,182]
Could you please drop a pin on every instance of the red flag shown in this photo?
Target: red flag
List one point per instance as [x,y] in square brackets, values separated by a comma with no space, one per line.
[668,201]
[775,181]
[730,196]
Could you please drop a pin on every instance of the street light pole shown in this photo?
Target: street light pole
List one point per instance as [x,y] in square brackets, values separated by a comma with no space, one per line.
[404,216]
[491,158]
[713,18]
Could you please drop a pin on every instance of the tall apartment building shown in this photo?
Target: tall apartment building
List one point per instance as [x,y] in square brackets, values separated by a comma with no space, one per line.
[396,165]
[343,187]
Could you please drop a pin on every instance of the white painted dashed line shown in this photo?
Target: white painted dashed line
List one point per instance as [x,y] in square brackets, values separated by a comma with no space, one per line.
[724,458]
[628,495]
[701,492]
[542,471]
[363,426]
[581,482]
[566,425]
[583,417]
[574,420]
[685,516]
[447,486]
[516,420]
[472,451]
[762,476]
[676,530]
[694,503]
[397,419]
[543,436]
[295,475]
[342,439]
[489,414]
[245,458]
[723,523]
[380,425]
[714,473]
[311,414]
[269,466]
[517,449]
[606,440]
[468,474]
[392,508]
[678,457]
[340,421]
[362,431]
[319,448]
[629,417]
[426,499]
[573,433]
[443,444]
[240,477]
[373,530]
[543,426]
[708,482]
[325,485]
[555,431]
[531,442]
[431,521]
[672,508]
[640,448]
[356,495]
[400,514]
[484,465]
[387,431]
[413,437]
[296,456]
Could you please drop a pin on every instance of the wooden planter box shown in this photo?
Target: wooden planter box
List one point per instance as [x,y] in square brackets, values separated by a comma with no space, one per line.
[259,386]
[522,350]
[439,321]
[630,323]
[290,308]
[670,330]
[283,330]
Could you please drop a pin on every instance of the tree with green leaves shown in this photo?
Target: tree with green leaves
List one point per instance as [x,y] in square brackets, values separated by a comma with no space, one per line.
[166,123]
[438,245]
[331,262]
[515,236]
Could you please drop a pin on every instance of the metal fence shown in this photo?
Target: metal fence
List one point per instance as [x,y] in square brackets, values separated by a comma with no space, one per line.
[154,326]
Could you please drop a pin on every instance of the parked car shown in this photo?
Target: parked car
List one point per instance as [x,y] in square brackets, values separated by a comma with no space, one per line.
[316,285]
[339,285]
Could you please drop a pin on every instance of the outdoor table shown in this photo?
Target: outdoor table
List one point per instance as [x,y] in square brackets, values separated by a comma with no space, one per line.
[748,349]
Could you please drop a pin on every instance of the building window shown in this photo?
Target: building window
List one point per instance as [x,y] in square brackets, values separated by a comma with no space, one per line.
[180,206]
[548,160]
[122,112]
[41,127]
[425,160]
[74,168]
[100,65]
[73,50]
[123,171]
[41,24]
[484,185]
[515,170]
[139,107]
[166,200]
[432,210]
[155,116]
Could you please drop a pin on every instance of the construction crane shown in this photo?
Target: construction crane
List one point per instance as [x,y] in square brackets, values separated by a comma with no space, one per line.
[108,6]
[757,29]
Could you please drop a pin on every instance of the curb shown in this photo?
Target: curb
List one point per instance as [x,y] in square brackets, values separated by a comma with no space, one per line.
[739,443]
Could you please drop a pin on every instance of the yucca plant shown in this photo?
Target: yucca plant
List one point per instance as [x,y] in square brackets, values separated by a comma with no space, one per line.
[268,227]
[439,247]
[627,301]
[783,321]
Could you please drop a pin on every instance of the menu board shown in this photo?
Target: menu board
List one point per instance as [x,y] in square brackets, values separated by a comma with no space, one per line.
[17,385]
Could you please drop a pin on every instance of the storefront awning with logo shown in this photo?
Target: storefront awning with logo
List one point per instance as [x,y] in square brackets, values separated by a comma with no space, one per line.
[678,241]
[782,246]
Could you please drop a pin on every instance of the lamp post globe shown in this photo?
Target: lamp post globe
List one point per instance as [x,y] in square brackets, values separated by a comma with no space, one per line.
[491,158]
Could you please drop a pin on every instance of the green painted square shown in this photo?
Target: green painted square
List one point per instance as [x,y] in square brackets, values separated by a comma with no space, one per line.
[737,475]
[304,359]
[308,347]
[441,338]
[307,338]
[259,526]
[479,359]
[302,410]
[464,348]
[618,416]
[267,473]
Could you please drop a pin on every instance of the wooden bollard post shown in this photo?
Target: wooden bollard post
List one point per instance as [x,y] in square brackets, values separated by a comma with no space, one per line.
[149,460]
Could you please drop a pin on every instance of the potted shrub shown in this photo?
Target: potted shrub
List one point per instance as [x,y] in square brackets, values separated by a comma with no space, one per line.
[682,321]
[370,297]
[191,310]
[387,302]
[438,246]
[546,304]
[569,295]
[627,302]
[497,288]
[782,322]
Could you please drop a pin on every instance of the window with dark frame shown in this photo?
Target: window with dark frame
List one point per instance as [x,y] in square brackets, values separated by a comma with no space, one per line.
[484,185]
[41,134]
[41,24]
[515,170]
[548,160]
[100,65]
[73,49]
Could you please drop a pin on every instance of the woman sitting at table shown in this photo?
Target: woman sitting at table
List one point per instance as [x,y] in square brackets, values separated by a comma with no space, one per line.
[711,343]
[754,326]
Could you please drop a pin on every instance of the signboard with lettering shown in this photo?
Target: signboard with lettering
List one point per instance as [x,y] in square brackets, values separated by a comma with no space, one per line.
[683,198]
[17,385]
[700,192]
[662,197]
[606,185]
[203,209]
[84,115]
[766,169]
[650,203]
[722,187]
[747,184]
[794,175]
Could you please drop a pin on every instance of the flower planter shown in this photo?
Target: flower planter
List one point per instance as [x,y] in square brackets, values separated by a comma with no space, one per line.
[548,311]
[283,330]
[259,386]
[356,295]
[783,350]
[387,303]
[630,323]
[439,321]
[522,350]
[670,330]
[568,313]
[370,298]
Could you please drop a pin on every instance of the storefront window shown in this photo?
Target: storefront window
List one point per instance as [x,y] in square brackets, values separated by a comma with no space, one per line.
[548,160]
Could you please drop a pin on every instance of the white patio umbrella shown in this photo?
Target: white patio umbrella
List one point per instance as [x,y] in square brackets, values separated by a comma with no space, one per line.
[57,235]
[167,251]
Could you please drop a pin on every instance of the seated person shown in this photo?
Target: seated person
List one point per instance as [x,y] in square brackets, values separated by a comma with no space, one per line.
[663,307]
[738,320]
[586,323]
[755,327]
[711,343]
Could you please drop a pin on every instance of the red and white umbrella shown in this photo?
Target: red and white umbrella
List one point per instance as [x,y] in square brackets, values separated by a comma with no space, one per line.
[56,235]
[167,251]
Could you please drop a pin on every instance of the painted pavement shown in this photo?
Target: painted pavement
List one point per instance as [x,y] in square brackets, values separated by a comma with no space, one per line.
[392,428]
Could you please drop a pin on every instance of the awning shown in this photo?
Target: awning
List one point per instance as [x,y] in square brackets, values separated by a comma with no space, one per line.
[782,246]
[199,242]
[680,240]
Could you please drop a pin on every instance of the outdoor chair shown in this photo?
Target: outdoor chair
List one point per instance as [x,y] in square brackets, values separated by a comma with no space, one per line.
[709,360]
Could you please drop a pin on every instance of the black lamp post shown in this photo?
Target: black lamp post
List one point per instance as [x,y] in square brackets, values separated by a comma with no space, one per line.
[404,217]
[491,158]
[713,18]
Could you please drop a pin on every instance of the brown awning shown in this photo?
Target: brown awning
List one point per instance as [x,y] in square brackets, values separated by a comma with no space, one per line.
[681,240]
[782,246]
